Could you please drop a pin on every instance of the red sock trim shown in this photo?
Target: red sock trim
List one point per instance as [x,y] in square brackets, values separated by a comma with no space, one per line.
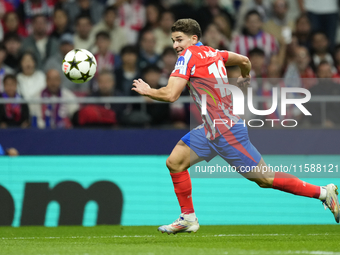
[182,185]
[291,184]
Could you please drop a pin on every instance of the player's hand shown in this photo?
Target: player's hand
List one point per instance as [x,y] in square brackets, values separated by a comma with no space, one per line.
[140,87]
[243,82]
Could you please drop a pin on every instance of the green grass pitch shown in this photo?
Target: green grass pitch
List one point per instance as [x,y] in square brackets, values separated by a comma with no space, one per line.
[271,239]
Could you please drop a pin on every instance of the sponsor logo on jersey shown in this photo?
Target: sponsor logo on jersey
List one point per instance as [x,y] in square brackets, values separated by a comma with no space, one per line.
[182,63]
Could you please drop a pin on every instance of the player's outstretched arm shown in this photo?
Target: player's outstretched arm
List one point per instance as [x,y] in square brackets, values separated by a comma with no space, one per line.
[170,93]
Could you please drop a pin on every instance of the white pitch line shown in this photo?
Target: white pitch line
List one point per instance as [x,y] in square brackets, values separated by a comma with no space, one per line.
[145,236]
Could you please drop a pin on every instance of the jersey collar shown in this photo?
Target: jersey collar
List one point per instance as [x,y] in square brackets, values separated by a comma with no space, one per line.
[199,44]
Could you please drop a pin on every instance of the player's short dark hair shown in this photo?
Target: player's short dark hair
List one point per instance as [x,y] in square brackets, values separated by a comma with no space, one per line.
[168,50]
[83,16]
[188,27]
[10,77]
[256,52]
[252,12]
[129,49]
[103,34]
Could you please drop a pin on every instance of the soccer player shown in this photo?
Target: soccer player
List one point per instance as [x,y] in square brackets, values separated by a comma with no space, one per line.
[203,67]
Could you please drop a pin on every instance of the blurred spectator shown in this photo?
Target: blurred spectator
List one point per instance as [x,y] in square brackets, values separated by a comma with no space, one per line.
[4,69]
[147,53]
[323,16]
[279,26]
[10,152]
[320,49]
[258,68]
[61,23]
[261,6]
[214,38]
[54,62]
[299,73]
[273,80]
[5,7]
[29,78]
[337,58]
[181,9]
[1,32]
[233,73]
[168,62]
[83,38]
[90,8]
[106,60]
[254,36]
[131,17]
[12,24]
[224,25]
[39,42]
[107,24]
[14,3]
[153,16]
[12,115]
[160,113]
[205,14]
[12,44]
[107,88]
[54,115]
[303,30]
[163,32]
[29,9]
[128,71]
[325,86]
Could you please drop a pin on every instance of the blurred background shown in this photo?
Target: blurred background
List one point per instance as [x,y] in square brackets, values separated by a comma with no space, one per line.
[290,43]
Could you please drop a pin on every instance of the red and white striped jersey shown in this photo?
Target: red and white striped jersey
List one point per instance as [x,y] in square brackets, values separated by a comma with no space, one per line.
[204,67]
[242,44]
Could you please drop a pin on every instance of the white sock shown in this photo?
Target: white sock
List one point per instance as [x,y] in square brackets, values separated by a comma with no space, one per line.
[323,193]
[190,216]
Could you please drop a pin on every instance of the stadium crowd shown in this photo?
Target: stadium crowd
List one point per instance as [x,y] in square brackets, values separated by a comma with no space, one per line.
[131,39]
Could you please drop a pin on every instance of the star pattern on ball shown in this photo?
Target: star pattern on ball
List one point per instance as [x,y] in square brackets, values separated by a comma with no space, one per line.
[74,64]
[76,50]
[90,60]
[68,76]
[85,76]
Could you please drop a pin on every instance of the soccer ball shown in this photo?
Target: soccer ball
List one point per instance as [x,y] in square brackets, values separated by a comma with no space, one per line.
[79,65]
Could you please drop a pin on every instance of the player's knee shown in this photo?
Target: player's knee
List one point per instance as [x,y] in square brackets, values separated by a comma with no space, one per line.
[173,167]
[265,182]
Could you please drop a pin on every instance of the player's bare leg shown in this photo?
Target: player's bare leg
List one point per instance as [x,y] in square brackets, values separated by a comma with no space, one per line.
[266,178]
[180,159]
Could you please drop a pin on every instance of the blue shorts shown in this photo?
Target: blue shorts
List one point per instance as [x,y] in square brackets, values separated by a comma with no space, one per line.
[234,146]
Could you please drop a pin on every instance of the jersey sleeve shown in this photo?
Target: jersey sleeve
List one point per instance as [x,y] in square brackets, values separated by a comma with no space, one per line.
[224,55]
[184,64]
